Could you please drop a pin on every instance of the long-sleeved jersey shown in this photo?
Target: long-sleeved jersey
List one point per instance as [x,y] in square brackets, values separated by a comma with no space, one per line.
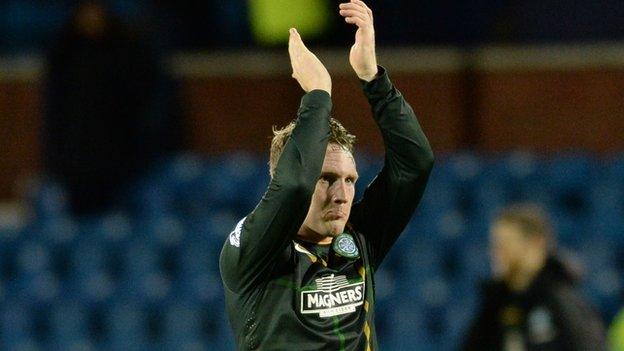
[284,294]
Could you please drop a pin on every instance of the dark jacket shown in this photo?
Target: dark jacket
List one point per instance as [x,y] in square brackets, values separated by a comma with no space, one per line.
[282,295]
[549,316]
[106,118]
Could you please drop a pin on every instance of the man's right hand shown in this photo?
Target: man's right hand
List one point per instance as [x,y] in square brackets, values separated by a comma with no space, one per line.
[307,68]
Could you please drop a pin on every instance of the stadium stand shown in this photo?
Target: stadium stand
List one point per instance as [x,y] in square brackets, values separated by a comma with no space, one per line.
[148,279]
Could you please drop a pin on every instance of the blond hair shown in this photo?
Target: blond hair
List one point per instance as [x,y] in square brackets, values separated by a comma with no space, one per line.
[337,135]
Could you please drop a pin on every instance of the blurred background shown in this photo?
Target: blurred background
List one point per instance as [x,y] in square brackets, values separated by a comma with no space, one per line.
[134,134]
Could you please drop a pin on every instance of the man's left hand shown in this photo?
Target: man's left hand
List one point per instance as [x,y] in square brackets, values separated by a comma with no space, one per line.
[362,56]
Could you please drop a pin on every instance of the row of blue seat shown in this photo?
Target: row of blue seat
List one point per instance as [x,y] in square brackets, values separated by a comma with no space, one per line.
[144,268]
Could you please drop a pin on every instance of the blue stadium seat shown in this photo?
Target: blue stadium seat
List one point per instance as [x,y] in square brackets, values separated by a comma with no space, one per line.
[114,228]
[490,196]
[150,198]
[183,325]
[198,257]
[88,258]
[91,278]
[127,327]
[440,193]
[221,223]
[83,344]
[94,288]
[26,344]
[42,287]
[199,280]
[616,166]
[166,231]
[49,199]
[605,289]
[458,317]
[140,258]
[521,174]
[55,231]
[568,175]
[211,229]
[34,276]
[237,181]
[385,283]
[606,203]
[172,186]
[201,288]
[217,331]
[474,263]
[515,166]
[425,262]
[438,200]
[405,327]
[571,230]
[153,287]
[10,240]
[17,323]
[68,323]
[463,167]
[143,277]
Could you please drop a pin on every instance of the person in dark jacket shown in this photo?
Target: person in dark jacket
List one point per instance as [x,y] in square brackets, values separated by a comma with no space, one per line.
[531,303]
[298,271]
[105,118]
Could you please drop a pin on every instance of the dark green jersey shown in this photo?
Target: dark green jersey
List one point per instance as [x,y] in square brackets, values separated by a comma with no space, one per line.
[282,294]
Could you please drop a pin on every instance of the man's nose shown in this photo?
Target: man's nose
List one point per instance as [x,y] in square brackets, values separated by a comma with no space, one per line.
[339,195]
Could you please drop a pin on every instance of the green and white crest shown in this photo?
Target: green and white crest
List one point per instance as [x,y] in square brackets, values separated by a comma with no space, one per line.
[345,246]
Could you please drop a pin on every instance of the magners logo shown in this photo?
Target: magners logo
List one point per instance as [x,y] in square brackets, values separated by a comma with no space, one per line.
[334,295]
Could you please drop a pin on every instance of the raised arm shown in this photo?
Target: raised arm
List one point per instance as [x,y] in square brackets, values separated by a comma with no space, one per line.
[258,241]
[390,200]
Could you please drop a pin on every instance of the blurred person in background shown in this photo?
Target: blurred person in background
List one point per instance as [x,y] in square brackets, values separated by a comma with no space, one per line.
[531,303]
[298,270]
[105,118]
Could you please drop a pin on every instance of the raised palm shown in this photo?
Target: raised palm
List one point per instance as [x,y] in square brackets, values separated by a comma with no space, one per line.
[362,56]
